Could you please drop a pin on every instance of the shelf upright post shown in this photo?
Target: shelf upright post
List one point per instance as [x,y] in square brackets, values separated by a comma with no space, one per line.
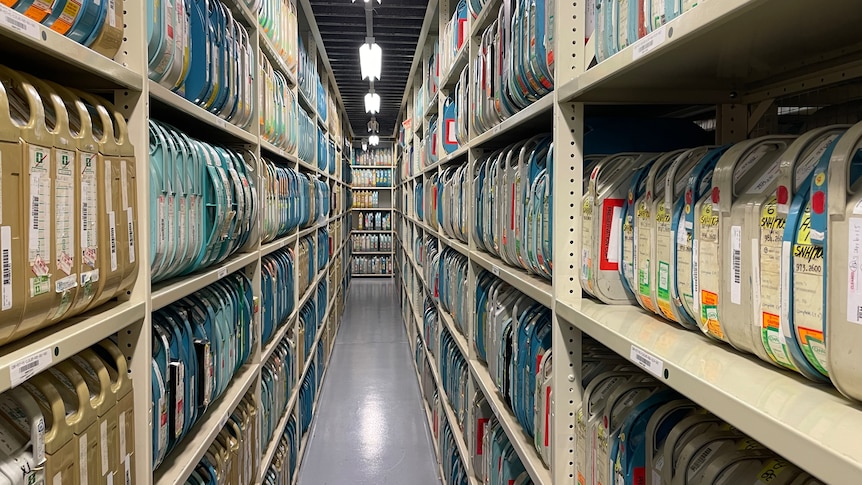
[570,59]
[135,340]
[731,123]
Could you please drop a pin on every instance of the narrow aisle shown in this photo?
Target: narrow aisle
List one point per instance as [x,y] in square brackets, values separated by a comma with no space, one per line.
[370,426]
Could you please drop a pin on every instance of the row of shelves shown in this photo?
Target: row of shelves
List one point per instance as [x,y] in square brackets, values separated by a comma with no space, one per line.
[520,441]
[811,425]
[444,398]
[181,462]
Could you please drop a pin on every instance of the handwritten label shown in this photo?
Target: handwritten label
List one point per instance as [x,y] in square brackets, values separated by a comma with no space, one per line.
[29,366]
[647,361]
[496,270]
[222,272]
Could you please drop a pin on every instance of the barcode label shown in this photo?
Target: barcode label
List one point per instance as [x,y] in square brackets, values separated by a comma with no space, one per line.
[34,213]
[648,43]
[736,265]
[112,224]
[29,366]
[647,361]
[6,268]
[19,24]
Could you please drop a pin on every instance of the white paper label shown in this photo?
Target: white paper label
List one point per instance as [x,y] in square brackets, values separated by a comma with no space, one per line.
[854,272]
[127,469]
[19,23]
[649,362]
[648,43]
[103,444]
[496,270]
[755,282]
[785,288]
[131,229]
[82,459]
[124,183]
[613,255]
[112,225]
[122,427]
[736,265]
[222,272]
[29,366]
[5,268]
[57,480]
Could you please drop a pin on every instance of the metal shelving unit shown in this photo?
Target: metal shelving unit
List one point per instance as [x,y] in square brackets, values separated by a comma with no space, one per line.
[737,58]
[386,196]
[33,48]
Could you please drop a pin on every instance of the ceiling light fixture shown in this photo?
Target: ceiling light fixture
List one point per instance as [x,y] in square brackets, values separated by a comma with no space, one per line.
[374,140]
[366,1]
[364,146]
[372,103]
[370,59]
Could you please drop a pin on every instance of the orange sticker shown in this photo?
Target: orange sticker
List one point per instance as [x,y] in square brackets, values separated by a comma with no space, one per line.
[665,309]
[770,320]
[647,302]
[708,298]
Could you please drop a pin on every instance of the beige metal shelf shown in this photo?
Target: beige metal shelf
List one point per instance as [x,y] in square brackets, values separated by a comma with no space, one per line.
[65,339]
[177,103]
[536,288]
[810,425]
[458,64]
[531,115]
[277,151]
[167,292]
[718,51]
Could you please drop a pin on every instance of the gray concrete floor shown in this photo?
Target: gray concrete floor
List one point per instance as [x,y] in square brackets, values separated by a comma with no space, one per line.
[370,426]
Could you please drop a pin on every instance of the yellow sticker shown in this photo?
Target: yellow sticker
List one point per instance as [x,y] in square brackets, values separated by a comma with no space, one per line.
[820,178]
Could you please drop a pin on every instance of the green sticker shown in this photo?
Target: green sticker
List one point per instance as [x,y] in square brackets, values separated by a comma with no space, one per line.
[663,283]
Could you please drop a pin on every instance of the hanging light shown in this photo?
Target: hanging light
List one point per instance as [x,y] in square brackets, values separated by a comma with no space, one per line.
[370,59]
[364,146]
[372,103]
[373,126]
[374,140]
[366,1]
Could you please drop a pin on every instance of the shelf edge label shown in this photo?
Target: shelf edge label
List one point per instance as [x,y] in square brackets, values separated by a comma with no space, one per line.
[648,43]
[647,361]
[29,366]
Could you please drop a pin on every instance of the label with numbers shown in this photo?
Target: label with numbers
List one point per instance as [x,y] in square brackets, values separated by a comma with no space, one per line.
[19,23]
[29,366]
[496,270]
[649,362]
[649,43]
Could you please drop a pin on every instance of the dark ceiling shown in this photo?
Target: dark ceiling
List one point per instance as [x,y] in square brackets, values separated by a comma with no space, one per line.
[397,24]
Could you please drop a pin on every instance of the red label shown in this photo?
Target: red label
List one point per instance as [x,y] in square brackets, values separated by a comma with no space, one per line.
[480,434]
[434,144]
[462,27]
[639,476]
[547,413]
[607,226]
[450,132]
